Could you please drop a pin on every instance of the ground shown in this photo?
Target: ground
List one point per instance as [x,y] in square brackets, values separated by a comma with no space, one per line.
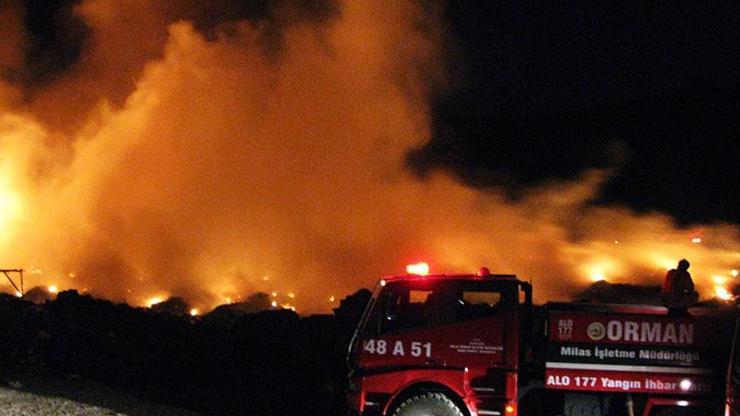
[74,397]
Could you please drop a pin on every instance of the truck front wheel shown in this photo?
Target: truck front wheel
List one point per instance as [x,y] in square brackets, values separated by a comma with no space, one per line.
[428,404]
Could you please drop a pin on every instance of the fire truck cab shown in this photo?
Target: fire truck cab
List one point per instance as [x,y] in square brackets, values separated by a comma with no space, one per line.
[474,344]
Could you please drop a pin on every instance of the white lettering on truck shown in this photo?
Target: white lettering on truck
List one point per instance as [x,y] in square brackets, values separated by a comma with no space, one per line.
[381,347]
[669,333]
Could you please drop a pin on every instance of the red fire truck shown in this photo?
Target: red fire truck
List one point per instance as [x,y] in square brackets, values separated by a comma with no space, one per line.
[474,344]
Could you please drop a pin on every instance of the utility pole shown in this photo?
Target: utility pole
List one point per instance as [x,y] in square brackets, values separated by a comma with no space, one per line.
[18,287]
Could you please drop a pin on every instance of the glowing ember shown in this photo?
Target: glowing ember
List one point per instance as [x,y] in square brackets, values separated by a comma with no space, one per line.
[53,289]
[194,312]
[421,269]
[331,299]
[274,294]
[291,295]
[274,304]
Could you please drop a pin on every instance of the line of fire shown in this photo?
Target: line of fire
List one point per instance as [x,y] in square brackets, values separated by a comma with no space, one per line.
[477,344]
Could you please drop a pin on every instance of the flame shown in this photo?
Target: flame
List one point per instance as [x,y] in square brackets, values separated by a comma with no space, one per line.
[599,269]
[53,289]
[194,312]
[719,280]
[597,277]
[722,293]
[11,208]
[154,300]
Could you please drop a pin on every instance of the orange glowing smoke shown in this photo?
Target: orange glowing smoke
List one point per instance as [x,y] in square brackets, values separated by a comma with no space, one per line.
[166,162]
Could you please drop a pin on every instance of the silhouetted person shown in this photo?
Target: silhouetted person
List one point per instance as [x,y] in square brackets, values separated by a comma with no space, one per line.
[678,289]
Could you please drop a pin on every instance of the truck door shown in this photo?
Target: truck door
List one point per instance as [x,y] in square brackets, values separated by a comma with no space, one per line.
[438,323]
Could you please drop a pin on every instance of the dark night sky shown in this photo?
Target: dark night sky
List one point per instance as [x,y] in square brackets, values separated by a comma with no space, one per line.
[537,92]
[542,92]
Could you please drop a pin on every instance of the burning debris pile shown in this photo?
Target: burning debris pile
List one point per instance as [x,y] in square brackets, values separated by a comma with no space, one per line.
[230,361]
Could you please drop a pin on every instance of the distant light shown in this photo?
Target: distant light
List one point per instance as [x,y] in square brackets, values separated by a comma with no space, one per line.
[18,293]
[274,294]
[229,300]
[291,295]
[696,240]
[733,272]
[53,289]
[382,282]
[72,275]
[509,408]
[686,384]
[274,304]
[682,403]
[194,312]
[421,269]
[331,299]
[265,278]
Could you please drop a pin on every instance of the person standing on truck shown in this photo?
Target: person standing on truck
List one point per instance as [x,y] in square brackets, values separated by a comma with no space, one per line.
[678,288]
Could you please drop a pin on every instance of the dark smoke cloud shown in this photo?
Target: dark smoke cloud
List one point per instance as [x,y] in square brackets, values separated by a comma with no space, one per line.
[71,49]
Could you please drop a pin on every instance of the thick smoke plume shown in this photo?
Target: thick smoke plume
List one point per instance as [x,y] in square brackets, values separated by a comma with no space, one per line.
[212,152]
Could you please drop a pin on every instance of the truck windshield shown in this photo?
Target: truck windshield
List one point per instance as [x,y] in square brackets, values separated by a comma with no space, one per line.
[417,304]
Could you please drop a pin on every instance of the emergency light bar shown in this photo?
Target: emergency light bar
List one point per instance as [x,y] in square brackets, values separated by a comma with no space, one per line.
[421,269]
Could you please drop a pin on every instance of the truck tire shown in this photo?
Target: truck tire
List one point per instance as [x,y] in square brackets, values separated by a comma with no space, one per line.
[428,404]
